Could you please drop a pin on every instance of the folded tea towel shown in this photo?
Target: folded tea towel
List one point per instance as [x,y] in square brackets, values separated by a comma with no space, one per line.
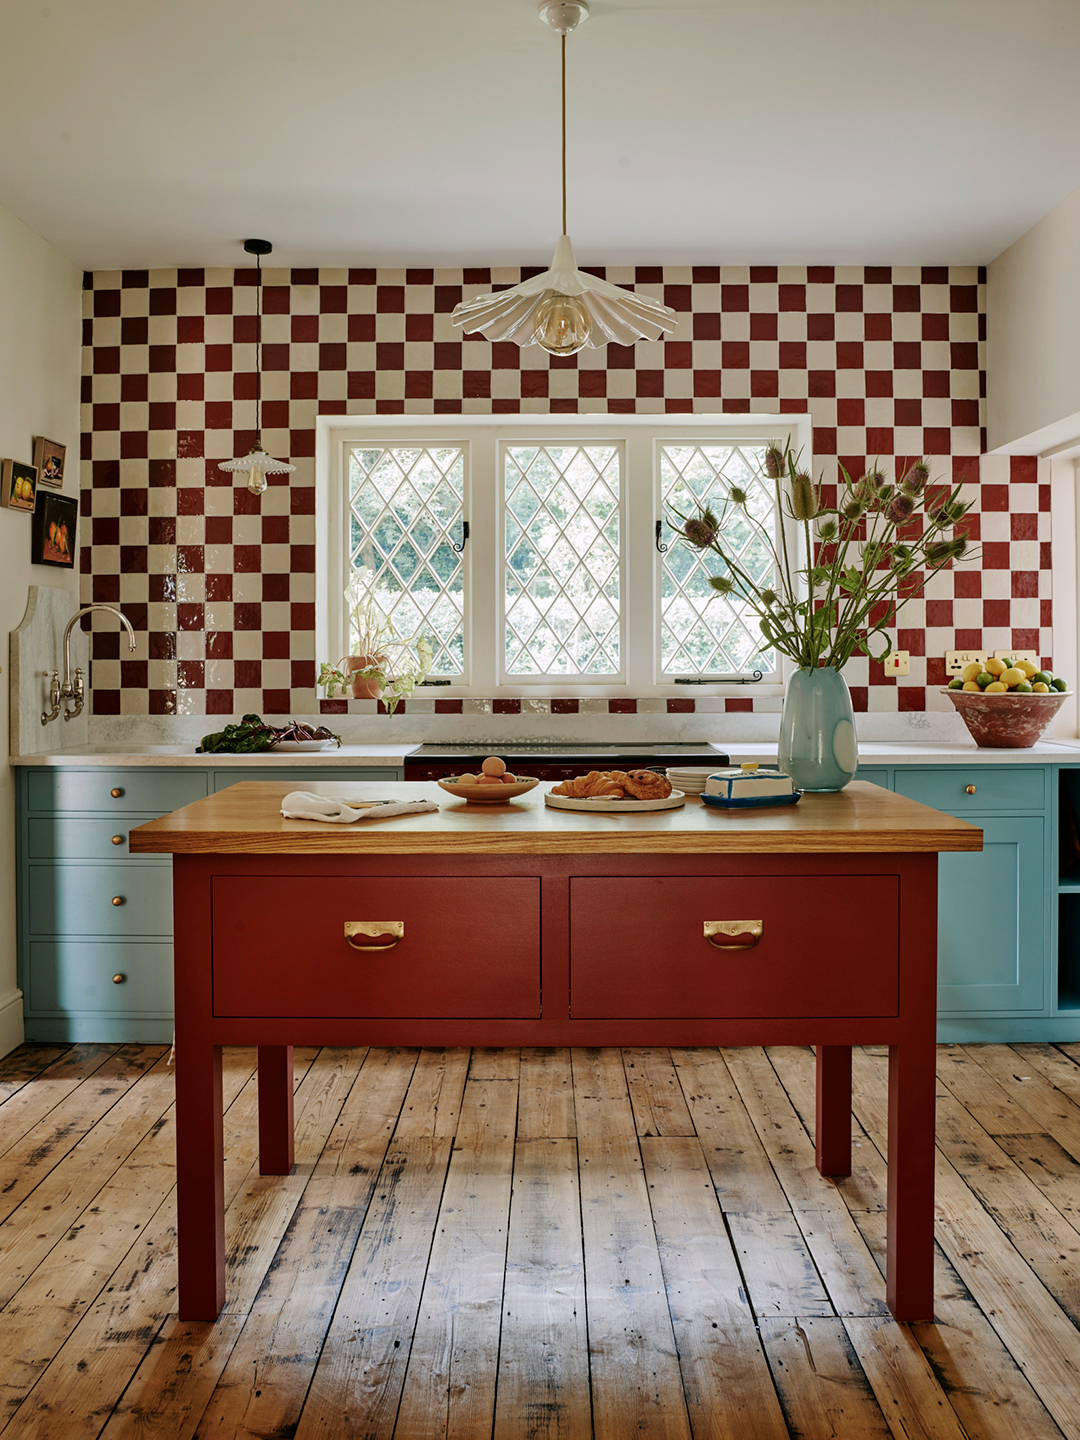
[303,805]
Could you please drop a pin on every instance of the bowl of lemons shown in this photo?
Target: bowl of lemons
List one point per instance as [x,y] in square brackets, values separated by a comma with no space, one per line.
[1007,704]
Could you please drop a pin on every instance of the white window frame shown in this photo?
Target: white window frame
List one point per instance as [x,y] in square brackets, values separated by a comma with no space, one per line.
[483,556]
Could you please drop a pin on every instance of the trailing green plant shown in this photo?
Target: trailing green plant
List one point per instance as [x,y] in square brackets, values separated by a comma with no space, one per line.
[879,540]
[397,662]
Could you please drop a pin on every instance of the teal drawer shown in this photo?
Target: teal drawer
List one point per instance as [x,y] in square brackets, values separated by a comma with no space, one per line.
[77,975]
[77,899]
[69,837]
[324,776]
[992,787]
[873,777]
[154,793]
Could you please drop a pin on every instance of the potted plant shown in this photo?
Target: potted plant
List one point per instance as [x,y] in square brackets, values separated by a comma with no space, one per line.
[861,560]
[384,665]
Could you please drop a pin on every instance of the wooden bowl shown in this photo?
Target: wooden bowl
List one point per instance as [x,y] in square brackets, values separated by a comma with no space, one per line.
[1005,721]
[489,794]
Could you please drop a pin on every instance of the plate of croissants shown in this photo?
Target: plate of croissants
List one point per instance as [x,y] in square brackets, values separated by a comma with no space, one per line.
[615,791]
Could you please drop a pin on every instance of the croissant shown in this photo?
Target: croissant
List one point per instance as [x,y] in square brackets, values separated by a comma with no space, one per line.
[646,785]
[597,784]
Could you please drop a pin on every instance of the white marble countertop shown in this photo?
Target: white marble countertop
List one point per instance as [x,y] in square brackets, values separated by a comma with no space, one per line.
[911,752]
[169,755]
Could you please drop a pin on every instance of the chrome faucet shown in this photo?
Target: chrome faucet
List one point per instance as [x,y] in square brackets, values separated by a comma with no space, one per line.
[74,690]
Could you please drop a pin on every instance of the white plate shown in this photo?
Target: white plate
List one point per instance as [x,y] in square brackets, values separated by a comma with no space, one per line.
[608,806]
[302,747]
[700,772]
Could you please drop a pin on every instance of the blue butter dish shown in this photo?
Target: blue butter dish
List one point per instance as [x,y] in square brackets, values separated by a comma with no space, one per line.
[749,787]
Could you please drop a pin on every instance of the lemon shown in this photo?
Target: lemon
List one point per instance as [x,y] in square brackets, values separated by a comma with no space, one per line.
[1027,667]
[1040,688]
[997,688]
[995,668]
[970,671]
[1013,676]
[971,685]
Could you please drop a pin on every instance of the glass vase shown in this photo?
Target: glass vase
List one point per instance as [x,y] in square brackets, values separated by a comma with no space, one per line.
[817,730]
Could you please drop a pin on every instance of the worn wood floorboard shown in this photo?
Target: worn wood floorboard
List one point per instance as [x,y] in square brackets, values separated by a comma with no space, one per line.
[538,1245]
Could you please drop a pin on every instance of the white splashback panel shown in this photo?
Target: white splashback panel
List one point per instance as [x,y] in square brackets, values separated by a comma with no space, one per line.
[37,649]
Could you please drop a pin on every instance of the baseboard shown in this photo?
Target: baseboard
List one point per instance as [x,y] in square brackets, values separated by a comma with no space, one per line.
[11,1021]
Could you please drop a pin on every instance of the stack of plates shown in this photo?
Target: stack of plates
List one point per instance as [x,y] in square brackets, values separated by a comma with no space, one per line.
[691,781]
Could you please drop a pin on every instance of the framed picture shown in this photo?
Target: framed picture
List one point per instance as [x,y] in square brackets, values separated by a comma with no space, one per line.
[18,485]
[54,536]
[49,460]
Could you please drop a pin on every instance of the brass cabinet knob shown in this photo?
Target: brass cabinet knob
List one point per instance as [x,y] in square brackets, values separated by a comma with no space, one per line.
[118,899]
[118,839]
[970,789]
[116,793]
[384,934]
[733,934]
[118,979]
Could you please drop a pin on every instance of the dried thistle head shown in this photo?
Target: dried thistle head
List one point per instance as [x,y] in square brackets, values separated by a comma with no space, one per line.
[949,512]
[827,530]
[738,497]
[901,508]
[769,598]
[803,497]
[915,480]
[721,584]
[939,551]
[700,530]
[774,462]
[853,510]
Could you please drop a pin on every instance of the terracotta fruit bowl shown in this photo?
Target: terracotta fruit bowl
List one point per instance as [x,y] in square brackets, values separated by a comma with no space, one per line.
[489,794]
[1006,722]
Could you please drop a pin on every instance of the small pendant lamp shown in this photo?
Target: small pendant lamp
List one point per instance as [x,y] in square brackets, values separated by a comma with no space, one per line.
[256,463]
[563,310]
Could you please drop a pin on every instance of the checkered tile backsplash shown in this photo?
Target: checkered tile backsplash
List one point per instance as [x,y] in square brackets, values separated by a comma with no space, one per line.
[888,362]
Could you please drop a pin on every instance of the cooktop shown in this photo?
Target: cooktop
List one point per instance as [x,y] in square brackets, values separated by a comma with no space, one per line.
[570,750]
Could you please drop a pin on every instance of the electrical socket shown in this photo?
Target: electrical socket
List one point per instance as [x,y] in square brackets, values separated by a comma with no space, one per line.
[957,660]
[1017,655]
[898,663]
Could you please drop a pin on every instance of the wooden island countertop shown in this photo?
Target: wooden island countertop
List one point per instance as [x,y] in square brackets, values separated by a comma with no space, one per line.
[245,819]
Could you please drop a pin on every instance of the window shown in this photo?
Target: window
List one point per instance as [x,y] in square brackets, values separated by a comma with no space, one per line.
[539,552]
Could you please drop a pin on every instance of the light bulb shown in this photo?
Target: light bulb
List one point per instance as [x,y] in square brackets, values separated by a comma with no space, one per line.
[256,480]
[562,324]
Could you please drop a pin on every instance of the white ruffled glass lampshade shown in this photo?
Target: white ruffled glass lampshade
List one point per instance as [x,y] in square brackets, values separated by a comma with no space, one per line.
[257,465]
[565,310]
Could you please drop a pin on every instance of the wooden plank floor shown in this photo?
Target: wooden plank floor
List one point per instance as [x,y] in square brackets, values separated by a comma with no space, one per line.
[538,1245]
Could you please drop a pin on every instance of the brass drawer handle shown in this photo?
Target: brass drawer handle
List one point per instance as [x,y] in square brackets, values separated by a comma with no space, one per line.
[118,839]
[118,899]
[969,789]
[733,934]
[118,979]
[386,933]
[116,793]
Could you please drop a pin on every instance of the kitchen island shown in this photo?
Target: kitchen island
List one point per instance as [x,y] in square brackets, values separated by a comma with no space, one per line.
[518,925]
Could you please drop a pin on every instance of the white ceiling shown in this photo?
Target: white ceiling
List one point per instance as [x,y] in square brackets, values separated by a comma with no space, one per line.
[143,133]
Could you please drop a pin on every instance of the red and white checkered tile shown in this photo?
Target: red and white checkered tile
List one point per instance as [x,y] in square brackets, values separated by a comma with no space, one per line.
[888,362]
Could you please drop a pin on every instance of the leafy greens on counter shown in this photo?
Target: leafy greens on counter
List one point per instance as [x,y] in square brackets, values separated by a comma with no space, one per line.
[253,735]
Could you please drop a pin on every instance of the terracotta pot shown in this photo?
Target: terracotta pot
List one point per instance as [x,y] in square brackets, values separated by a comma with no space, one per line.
[364,687]
[1006,722]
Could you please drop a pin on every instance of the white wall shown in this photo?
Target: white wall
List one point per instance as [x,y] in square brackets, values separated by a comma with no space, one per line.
[1033,336]
[40,363]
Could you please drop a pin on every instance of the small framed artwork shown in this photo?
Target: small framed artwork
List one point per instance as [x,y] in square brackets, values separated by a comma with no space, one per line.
[53,534]
[18,485]
[49,460]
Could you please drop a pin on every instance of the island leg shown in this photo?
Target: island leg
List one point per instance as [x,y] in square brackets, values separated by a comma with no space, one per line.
[833,1128]
[200,1180]
[275,1109]
[909,1264]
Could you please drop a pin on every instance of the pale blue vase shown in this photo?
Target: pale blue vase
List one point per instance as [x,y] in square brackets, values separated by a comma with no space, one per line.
[817,730]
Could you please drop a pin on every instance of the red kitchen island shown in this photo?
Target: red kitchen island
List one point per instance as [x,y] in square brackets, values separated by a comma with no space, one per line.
[514,924]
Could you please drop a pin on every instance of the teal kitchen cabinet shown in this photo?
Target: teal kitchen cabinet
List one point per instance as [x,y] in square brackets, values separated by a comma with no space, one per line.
[996,909]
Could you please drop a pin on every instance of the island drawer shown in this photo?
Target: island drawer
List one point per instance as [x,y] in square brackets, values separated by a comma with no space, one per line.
[470,947]
[975,787]
[827,947]
[82,899]
[87,975]
[115,791]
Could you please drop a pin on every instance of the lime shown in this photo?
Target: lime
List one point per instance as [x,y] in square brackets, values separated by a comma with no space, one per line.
[1059,684]
[984,679]
[1040,678]
[956,683]
[1023,688]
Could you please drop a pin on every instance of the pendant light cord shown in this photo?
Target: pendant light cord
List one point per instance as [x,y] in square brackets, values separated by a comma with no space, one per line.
[258,350]
[564,132]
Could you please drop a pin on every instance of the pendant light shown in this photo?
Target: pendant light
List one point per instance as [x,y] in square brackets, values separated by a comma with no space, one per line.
[256,463]
[563,310]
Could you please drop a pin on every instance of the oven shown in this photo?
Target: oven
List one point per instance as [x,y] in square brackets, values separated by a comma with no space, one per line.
[555,761]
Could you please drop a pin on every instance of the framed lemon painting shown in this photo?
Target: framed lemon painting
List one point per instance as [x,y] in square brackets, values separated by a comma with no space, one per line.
[18,485]
[54,531]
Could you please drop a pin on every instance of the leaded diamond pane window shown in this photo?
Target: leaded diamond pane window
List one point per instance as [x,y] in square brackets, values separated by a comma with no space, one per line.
[405,519]
[562,566]
[701,632]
